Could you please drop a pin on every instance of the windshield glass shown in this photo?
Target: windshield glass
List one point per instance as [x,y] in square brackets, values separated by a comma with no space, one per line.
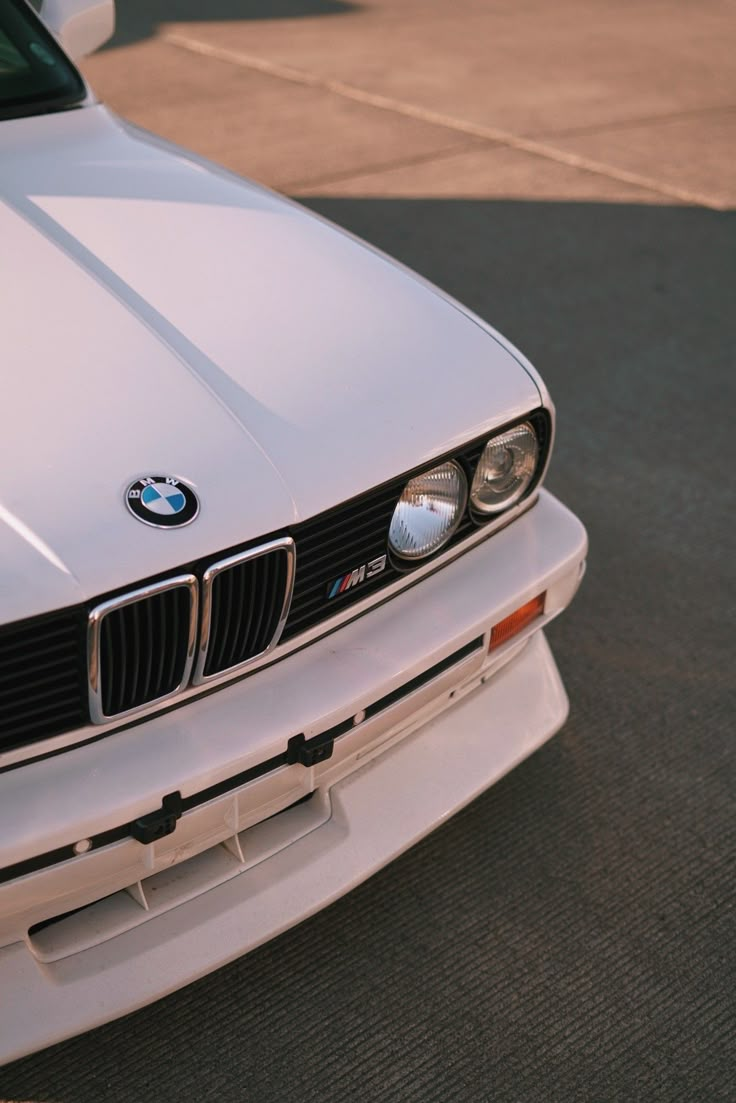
[35,76]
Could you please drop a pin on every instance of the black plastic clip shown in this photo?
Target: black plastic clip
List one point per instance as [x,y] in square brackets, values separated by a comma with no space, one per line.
[310,752]
[157,825]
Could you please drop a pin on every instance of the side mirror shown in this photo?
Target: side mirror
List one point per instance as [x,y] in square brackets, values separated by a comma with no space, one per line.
[80,25]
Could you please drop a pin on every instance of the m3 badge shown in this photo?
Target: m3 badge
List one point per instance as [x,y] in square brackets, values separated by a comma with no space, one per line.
[351,579]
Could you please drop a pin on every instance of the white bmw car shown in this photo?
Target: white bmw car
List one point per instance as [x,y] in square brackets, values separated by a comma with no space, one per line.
[275,556]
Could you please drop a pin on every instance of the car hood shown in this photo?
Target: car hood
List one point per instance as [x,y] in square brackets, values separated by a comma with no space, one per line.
[161,316]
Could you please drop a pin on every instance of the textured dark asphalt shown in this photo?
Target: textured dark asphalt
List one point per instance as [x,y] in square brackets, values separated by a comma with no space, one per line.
[572,935]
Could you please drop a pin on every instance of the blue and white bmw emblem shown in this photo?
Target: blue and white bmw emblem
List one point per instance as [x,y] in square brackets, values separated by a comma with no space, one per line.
[162,501]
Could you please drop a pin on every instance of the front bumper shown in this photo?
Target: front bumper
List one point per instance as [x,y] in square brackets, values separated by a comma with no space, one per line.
[157,916]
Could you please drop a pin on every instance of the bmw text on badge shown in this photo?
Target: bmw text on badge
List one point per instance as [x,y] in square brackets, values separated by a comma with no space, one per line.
[162,501]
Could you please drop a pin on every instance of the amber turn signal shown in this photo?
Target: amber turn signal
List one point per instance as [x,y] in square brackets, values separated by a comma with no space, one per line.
[513,624]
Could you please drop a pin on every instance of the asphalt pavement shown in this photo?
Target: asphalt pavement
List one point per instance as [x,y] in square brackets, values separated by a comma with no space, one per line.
[567,170]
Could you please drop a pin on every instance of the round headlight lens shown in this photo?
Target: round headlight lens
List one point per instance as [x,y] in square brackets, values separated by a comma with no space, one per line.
[505,469]
[428,511]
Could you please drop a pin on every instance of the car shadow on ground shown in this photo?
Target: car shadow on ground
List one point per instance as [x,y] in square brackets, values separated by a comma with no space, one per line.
[140,19]
[569,935]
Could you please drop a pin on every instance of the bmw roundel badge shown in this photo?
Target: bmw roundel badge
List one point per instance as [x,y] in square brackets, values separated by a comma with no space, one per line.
[162,501]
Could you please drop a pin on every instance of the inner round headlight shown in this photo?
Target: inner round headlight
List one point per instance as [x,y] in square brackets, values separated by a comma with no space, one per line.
[428,511]
[505,469]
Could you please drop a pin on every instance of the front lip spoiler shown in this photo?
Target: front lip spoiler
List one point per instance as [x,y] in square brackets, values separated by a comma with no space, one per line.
[467,747]
[292,754]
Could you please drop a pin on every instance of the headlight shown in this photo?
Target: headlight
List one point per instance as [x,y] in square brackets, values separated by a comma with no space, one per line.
[505,469]
[428,512]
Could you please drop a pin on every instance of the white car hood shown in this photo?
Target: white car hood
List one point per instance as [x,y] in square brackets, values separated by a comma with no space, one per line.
[158,316]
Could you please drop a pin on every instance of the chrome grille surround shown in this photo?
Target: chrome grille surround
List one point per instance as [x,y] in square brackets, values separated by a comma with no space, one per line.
[95,623]
[282,546]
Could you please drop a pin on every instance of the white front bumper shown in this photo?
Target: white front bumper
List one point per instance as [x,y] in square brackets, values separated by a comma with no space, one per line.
[225,881]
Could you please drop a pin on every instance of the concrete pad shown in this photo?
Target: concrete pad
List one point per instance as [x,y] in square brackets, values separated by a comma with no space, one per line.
[488,172]
[278,132]
[529,68]
[694,153]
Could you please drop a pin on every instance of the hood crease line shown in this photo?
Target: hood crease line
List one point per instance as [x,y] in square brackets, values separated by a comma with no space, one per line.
[146,315]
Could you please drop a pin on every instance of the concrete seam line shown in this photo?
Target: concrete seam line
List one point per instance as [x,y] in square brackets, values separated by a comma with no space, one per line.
[421,114]
[445,153]
[639,121]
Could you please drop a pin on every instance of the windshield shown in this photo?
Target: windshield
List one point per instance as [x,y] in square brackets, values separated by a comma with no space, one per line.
[35,76]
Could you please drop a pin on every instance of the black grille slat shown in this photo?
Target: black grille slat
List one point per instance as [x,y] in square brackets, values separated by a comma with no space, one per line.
[231,614]
[41,707]
[46,656]
[108,629]
[42,687]
[336,562]
[174,630]
[131,687]
[356,527]
[244,624]
[261,599]
[113,629]
[53,683]
[157,681]
[133,639]
[332,550]
[332,556]
[246,603]
[157,684]
[147,640]
[14,637]
[247,620]
[350,526]
[43,660]
[51,721]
